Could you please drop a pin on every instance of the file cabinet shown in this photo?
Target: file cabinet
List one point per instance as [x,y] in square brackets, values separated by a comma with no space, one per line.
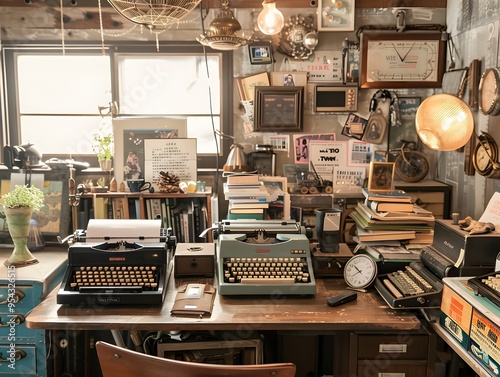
[23,351]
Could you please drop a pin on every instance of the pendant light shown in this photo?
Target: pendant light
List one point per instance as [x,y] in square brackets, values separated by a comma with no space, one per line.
[270,21]
[224,32]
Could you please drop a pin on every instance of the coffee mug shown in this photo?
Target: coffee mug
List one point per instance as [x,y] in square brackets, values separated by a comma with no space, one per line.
[138,185]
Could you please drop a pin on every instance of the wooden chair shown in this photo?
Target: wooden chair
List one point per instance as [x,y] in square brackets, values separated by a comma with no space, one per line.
[121,362]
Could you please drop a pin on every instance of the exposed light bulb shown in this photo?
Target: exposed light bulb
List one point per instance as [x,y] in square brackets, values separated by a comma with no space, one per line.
[270,20]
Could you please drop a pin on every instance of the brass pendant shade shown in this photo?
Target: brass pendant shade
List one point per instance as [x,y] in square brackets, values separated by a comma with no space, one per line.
[224,32]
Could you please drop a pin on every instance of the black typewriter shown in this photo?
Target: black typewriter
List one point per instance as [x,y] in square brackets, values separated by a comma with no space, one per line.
[115,273]
[487,286]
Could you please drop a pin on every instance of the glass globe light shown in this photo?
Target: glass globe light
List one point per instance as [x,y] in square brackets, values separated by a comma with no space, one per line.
[270,20]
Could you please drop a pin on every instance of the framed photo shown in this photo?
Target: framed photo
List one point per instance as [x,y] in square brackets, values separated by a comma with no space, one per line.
[129,135]
[402,60]
[260,53]
[354,126]
[279,199]
[246,85]
[381,177]
[336,15]
[278,108]
[408,107]
[54,217]
[289,78]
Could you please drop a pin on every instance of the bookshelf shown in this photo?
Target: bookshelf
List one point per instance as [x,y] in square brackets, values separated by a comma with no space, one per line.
[187,214]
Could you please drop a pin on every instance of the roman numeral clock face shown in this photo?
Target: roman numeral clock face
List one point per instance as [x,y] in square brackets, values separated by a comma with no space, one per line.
[401,61]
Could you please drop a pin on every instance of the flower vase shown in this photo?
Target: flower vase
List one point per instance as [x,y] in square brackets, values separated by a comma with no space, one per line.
[18,221]
[106,164]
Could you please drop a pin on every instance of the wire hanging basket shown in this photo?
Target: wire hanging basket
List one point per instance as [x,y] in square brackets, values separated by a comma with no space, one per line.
[154,14]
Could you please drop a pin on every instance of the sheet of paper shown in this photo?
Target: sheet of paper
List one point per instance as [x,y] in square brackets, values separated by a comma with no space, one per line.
[492,212]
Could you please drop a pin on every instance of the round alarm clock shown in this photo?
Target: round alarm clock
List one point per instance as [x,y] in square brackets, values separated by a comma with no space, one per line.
[360,271]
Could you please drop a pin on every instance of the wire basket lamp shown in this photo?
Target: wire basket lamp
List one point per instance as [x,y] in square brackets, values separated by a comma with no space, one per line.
[157,15]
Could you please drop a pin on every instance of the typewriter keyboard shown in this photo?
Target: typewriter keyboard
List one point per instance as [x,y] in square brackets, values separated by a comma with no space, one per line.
[487,286]
[285,270]
[407,283]
[142,277]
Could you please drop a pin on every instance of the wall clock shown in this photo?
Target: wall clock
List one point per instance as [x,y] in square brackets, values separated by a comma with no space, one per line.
[485,156]
[402,60]
[489,92]
[360,271]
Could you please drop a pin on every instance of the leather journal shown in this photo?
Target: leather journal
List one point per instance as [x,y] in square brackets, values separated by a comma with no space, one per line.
[194,300]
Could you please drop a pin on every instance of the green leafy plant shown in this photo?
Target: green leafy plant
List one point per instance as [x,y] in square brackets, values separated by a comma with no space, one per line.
[103,143]
[24,196]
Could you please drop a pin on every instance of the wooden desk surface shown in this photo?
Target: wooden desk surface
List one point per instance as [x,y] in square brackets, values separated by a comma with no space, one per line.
[368,312]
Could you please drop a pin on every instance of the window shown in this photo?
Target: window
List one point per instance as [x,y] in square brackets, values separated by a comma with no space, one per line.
[53,99]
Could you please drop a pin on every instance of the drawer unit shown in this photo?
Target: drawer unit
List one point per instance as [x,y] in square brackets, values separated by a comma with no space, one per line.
[432,195]
[21,289]
[394,355]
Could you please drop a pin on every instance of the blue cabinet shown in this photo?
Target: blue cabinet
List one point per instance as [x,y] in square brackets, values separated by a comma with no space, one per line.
[23,351]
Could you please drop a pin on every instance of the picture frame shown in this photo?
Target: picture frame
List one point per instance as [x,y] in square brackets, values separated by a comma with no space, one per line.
[54,218]
[278,108]
[354,126]
[381,176]
[382,60]
[288,78]
[129,135]
[408,107]
[279,199]
[260,53]
[333,18]
[246,85]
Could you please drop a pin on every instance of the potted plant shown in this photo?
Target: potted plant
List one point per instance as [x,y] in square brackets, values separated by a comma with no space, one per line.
[19,204]
[104,146]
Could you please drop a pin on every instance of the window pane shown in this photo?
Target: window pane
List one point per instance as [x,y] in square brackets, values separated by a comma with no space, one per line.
[201,129]
[63,84]
[168,85]
[68,135]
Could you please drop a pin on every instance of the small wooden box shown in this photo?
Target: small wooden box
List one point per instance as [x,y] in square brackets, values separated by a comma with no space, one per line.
[194,259]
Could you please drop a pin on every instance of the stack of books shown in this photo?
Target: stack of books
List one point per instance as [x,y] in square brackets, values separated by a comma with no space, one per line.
[391,215]
[247,197]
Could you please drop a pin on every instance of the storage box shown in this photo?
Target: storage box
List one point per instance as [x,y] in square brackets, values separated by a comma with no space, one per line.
[484,345]
[227,352]
[456,315]
[194,259]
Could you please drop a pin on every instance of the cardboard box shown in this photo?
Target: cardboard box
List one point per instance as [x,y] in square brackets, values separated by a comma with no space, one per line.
[456,315]
[484,345]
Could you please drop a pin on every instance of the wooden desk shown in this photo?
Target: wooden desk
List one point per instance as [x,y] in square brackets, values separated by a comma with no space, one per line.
[353,326]
[368,312]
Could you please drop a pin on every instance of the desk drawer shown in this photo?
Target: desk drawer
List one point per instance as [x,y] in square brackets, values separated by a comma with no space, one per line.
[390,368]
[22,299]
[24,366]
[393,346]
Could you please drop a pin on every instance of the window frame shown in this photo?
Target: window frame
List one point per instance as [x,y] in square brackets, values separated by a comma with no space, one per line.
[10,118]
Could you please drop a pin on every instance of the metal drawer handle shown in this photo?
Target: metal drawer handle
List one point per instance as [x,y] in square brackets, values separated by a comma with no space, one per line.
[19,354]
[18,296]
[392,348]
[16,319]
[391,374]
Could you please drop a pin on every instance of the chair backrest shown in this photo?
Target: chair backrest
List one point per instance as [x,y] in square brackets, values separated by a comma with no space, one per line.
[121,362]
